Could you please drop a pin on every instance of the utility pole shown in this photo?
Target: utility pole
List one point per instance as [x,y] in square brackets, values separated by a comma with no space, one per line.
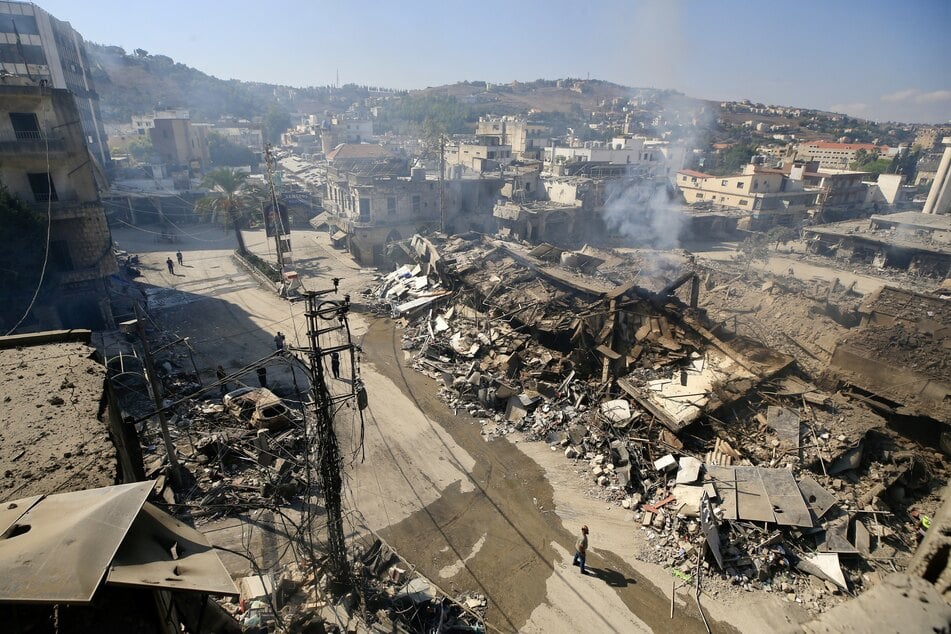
[329,462]
[278,227]
[174,466]
[442,183]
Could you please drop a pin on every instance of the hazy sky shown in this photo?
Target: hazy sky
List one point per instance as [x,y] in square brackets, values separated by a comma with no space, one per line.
[871,58]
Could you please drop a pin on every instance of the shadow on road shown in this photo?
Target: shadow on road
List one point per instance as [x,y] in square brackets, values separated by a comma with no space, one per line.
[613,578]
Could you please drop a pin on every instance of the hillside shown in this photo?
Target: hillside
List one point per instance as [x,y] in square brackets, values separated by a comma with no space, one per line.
[139,83]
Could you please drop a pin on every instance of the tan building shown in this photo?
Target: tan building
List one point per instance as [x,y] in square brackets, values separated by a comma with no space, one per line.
[45,162]
[831,155]
[372,203]
[179,142]
[38,46]
[480,157]
[767,194]
[526,139]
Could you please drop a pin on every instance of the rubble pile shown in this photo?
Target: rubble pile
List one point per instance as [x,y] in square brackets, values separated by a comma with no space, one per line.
[383,594]
[791,485]
[235,466]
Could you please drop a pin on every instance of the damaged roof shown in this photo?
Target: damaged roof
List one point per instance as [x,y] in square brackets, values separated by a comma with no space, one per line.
[58,549]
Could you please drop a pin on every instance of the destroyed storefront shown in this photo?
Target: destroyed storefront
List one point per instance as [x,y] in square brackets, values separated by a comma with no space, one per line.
[713,442]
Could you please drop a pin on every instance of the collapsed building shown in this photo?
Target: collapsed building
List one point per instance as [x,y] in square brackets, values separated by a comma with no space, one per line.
[714,442]
[916,242]
[374,200]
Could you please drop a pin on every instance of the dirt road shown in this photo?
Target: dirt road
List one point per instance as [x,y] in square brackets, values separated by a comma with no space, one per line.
[472,515]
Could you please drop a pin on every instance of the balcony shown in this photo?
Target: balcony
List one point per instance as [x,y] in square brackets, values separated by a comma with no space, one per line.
[30,142]
[68,207]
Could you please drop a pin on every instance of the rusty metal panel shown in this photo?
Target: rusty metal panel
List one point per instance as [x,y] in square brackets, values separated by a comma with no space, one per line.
[59,550]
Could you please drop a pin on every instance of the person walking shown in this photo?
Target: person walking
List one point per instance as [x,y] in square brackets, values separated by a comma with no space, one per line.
[335,364]
[170,265]
[178,256]
[279,340]
[262,376]
[581,549]
[221,375]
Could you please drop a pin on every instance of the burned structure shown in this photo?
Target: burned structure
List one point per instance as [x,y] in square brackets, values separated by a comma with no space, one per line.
[375,201]
[715,442]
[916,242]
[45,162]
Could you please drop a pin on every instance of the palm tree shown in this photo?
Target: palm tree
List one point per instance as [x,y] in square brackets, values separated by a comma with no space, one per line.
[229,199]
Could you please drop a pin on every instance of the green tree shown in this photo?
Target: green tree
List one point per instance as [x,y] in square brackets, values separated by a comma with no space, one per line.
[276,121]
[141,149]
[230,200]
[225,153]
[733,160]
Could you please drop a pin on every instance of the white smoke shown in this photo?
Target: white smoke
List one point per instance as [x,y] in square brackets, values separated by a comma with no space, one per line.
[643,211]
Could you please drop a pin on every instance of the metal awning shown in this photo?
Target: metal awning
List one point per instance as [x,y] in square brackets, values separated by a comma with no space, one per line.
[338,235]
[145,560]
[319,221]
[58,550]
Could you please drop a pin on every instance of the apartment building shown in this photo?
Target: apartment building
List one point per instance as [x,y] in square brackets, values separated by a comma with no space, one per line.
[831,155]
[44,161]
[767,194]
[34,44]
[526,139]
[179,142]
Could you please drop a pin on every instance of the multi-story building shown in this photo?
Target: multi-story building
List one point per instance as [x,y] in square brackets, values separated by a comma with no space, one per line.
[660,156]
[526,139]
[34,44]
[336,130]
[179,142]
[371,203]
[44,161]
[767,194]
[837,155]
[481,156]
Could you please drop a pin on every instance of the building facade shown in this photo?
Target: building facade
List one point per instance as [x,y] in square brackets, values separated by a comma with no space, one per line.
[181,143]
[831,155]
[44,161]
[767,194]
[371,204]
[526,139]
[34,44]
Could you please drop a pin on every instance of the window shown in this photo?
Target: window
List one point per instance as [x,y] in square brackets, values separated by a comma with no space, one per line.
[26,127]
[416,204]
[42,186]
[740,184]
[364,208]
[744,202]
[699,195]
[391,205]
[723,183]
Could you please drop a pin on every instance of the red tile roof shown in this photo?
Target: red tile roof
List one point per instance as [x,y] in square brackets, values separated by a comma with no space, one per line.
[829,145]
